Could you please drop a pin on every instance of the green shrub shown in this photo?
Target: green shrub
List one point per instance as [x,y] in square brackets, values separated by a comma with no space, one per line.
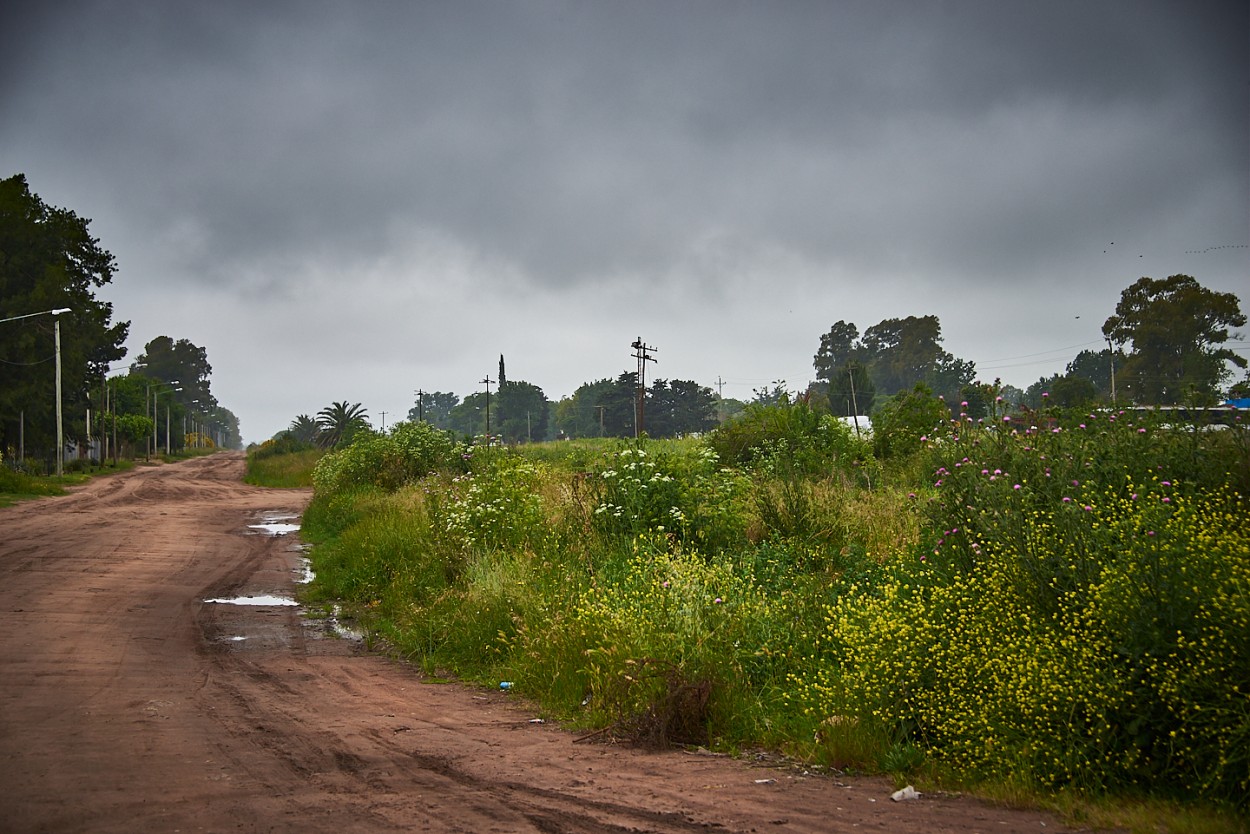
[411,451]
[907,421]
[17,482]
[670,609]
[496,507]
[790,440]
[687,496]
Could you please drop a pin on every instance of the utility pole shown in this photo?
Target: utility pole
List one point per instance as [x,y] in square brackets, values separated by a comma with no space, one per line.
[60,430]
[487,382]
[720,388]
[420,406]
[384,422]
[1111,354]
[641,351]
[850,373]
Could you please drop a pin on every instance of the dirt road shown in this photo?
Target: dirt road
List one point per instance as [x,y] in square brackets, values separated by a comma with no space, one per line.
[130,703]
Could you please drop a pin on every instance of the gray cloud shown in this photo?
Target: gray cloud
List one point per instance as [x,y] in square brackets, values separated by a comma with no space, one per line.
[861,156]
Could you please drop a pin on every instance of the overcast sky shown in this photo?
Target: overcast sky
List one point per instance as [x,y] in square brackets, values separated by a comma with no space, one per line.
[351,201]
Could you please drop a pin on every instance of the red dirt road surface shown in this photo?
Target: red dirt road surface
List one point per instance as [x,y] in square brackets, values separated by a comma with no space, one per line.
[129,703]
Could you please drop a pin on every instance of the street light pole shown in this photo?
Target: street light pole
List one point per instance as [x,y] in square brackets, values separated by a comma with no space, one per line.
[60,429]
[60,436]
[1111,352]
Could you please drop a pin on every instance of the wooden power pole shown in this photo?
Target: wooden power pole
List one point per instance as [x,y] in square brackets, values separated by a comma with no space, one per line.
[642,353]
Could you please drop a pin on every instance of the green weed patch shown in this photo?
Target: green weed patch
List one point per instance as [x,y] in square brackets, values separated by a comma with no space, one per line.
[1054,602]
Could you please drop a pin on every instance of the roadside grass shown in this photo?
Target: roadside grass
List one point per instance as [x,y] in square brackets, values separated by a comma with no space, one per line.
[285,471]
[1055,616]
[18,486]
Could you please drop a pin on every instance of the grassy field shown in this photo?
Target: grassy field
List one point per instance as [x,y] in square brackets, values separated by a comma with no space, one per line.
[1052,608]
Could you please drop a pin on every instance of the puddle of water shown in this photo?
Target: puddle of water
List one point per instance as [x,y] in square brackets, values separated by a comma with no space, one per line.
[276,523]
[344,631]
[261,600]
[305,572]
[275,528]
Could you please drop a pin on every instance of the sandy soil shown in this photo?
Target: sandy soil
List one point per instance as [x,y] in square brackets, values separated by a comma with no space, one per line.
[130,703]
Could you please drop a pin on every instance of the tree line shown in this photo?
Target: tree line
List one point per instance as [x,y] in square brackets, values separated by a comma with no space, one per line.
[1165,346]
[50,320]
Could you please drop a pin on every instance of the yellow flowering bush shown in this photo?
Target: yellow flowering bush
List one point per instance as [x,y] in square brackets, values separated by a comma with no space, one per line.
[1061,628]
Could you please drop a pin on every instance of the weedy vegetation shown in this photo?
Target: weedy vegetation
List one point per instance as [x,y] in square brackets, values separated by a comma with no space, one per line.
[1051,605]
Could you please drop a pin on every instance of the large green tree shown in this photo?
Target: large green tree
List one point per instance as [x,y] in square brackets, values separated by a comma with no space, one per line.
[1175,327]
[902,352]
[304,429]
[49,260]
[584,414]
[339,422]
[838,347]
[522,411]
[679,407]
[895,354]
[851,390]
[181,365]
[434,407]
[1098,367]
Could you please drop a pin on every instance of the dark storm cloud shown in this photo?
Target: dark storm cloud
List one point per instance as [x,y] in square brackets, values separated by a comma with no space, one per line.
[581,140]
[767,167]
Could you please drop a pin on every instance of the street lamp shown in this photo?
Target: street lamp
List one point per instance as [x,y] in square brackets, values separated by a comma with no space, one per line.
[168,408]
[60,437]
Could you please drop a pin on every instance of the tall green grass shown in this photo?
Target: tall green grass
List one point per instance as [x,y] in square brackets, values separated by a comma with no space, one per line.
[292,470]
[16,486]
[1060,608]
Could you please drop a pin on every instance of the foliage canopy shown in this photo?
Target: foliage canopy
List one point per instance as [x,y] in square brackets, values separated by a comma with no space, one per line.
[49,260]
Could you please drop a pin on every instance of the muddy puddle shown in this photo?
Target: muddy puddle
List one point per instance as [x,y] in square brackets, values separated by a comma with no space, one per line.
[275,523]
[264,599]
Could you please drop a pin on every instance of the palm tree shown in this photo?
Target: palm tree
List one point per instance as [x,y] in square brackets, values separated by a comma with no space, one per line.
[304,429]
[338,422]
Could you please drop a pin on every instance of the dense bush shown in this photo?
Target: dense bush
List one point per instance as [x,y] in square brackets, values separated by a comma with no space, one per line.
[905,422]
[688,496]
[388,461]
[792,440]
[1079,618]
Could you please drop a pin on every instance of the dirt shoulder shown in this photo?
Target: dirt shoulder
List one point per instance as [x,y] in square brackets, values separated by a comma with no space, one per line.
[129,703]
